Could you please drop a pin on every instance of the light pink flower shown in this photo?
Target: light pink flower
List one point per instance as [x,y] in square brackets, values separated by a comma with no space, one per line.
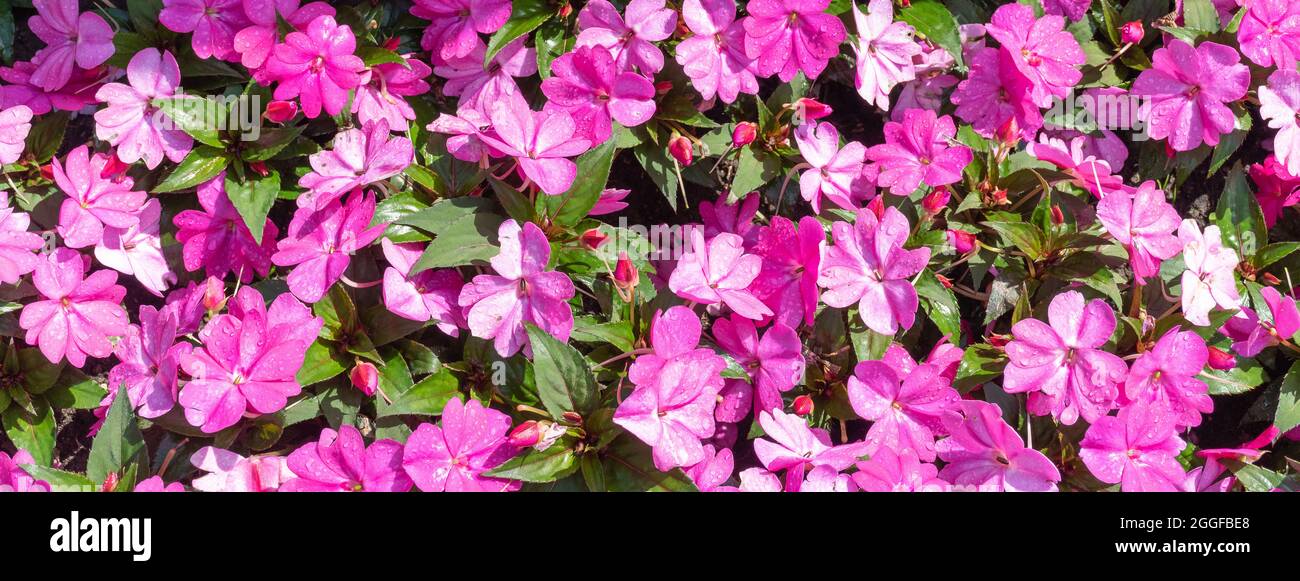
[540,141]
[521,291]
[212,22]
[1188,88]
[93,201]
[984,452]
[1073,9]
[775,363]
[869,266]
[902,471]
[255,42]
[16,243]
[466,129]
[788,36]
[149,357]
[1086,171]
[715,469]
[77,314]
[249,359]
[1164,377]
[714,55]
[359,158]
[320,243]
[383,91]
[454,24]
[1279,103]
[833,170]
[1138,450]
[137,250]
[677,389]
[917,150]
[885,50]
[131,122]
[719,272]
[906,412]
[1250,334]
[587,85]
[453,457]
[15,124]
[1209,279]
[341,462]
[230,472]
[72,39]
[759,480]
[429,295]
[217,240]
[1269,33]
[792,446]
[13,478]
[317,66]
[1062,365]
[994,94]
[610,202]
[787,283]
[1144,223]
[629,38]
[1046,53]
[478,87]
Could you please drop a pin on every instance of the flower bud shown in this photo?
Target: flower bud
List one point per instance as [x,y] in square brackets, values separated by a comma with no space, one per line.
[110,482]
[47,171]
[943,280]
[280,111]
[1221,360]
[680,148]
[113,168]
[961,240]
[1058,217]
[260,168]
[1269,279]
[525,434]
[811,109]
[803,405]
[743,134]
[935,201]
[1131,32]
[877,206]
[593,239]
[999,197]
[663,87]
[214,294]
[365,377]
[625,273]
[1009,133]
[392,43]
[572,417]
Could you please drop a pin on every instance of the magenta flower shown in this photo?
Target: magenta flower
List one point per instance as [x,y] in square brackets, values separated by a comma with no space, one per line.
[453,457]
[16,243]
[1279,103]
[586,84]
[1062,365]
[902,471]
[321,242]
[541,141]
[429,295]
[131,122]
[137,250]
[478,87]
[466,129]
[885,50]
[785,37]
[775,363]
[212,22]
[360,157]
[610,202]
[1269,34]
[677,389]
[1276,189]
[13,478]
[341,462]
[77,313]
[76,95]
[1073,9]
[521,291]
[1250,334]
[217,240]
[714,56]
[995,94]
[1164,377]
[917,150]
[787,282]
[249,359]
[1144,223]
[317,66]
[986,453]
[72,39]
[792,446]
[719,272]
[15,124]
[1188,88]
[1040,48]
[383,91]
[833,170]
[630,40]
[718,217]
[230,472]
[149,357]
[759,480]
[1209,279]
[907,412]
[869,266]
[156,484]
[1138,450]
[255,42]
[715,469]
[455,24]
[93,201]
[1086,171]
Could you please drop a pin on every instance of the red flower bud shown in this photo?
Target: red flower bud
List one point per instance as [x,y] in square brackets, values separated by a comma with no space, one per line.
[803,405]
[365,377]
[1269,279]
[572,417]
[113,168]
[877,206]
[214,294]
[811,109]
[998,340]
[1009,133]
[593,238]
[259,167]
[625,273]
[110,482]
[392,43]
[47,171]
[280,111]
[743,134]
[1000,197]
[961,240]
[935,201]
[662,87]
[525,434]
[1058,217]
[1221,360]
[680,148]
[943,280]
[1131,32]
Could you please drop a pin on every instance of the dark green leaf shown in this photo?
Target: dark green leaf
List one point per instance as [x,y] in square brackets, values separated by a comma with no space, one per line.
[118,443]
[427,397]
[253,198]
[201,165]
[564,380]
[571,207]
[525,16]
[933,21]
[532,465]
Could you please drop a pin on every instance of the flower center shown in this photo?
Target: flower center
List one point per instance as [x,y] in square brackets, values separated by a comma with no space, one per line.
[317,64]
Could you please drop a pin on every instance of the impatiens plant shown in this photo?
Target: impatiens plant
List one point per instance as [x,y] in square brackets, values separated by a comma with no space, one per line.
[684,245]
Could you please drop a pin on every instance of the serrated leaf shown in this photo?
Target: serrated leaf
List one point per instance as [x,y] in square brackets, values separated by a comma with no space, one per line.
[1287,415]
[754,169]
[201,118]
[321,362]
[464,230]
[940,305]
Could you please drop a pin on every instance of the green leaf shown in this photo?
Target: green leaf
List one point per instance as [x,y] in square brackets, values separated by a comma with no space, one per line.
[1252,477]
[46,135]
[201,165]
[425,177]
[427,397]
[980,363]
[253,198]
[375,55]
[1287,416]
[940,305]
[1246,376]
[867,344]
[531,465]
[571,207]
[587,329]
[564,381]
[271,142]
[118,443]
[753,170]
[629,467]
[61,480]
[933,21]
[1028,238]
[1240,219]
[464,230]
[38,374]
[203,119]
[1273,253]
[322,362]
[338,312]
[1200,15]
[525,16]
[31,432]
[551,41]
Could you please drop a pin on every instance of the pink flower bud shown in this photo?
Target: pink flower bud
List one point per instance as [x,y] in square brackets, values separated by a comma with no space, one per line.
[365,377]
[392,43]
[47,171]
[260,168]
[280,111]
[1221,360]
[525,434]
[214,294]
[680,148]
[625,273]
[812,109]
[963,241]
[943,280]
[1058,217]
[113,168]
[1131,32]
[803,405]
[110,482]
[935,201]
[877,206]
[593,239]
[1009,133]
[743,134]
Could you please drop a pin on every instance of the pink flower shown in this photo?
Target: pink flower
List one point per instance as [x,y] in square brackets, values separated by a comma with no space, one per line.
[76,95]
[984,452]
[1250,334]
[715,469]
[341,462]
[1276,189]
[792,446]
[996,93]
[255,42]
[213,22]
[149,357]
[1209,279]
[1085,170]
[541,141]
[759,480]
[16,243]
[521,291]
[360,157]
[631,39]
[381,95]
[317,66]
[610,202]
[788,36]
[217,240]
[714,55]
[1040,48]
[1165,378]
[192,303]
[902,471]
[1269,33]
[71,38]
[248,360]
[1187,88]
[787,282]
[453,457]
[775,363]
[132,123]
[77,314]
[93,201]
[137,250]
[869,266]
[479,87]
[13,478]
[1062,366]
[833,170]
[1144,223]
[1073,9]
[719,272]
[1138,450]
[917,150]
[15,124]
[906,413]
[738,218]
[586,84]
[230,472]
[156,484]
[455,24]
[677,389]
[885,49]
[429,295]
[1279,102]
[466,129]
[321,242]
